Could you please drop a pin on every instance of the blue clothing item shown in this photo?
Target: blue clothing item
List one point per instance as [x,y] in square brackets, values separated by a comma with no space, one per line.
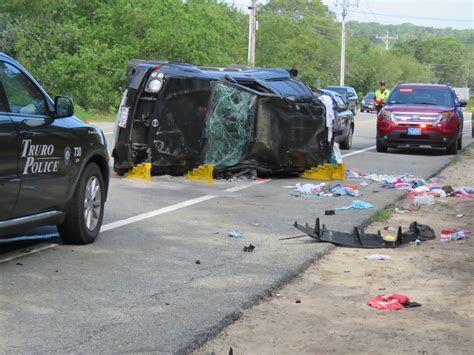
[355,205]
[234,234]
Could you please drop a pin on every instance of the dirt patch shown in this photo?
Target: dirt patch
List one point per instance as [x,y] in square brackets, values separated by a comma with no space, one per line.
[333,315]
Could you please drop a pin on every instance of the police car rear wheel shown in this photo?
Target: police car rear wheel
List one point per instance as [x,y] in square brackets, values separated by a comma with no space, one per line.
[86,210]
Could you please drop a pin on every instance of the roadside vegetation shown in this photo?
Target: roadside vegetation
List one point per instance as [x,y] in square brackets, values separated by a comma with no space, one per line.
[81,48]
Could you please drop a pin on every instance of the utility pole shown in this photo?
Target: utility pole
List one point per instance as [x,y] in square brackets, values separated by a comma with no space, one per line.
[386,39]
[252,32]
[345,5]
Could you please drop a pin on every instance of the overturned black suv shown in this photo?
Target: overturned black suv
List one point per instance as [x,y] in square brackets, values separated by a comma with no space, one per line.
[178,116]
[53,166]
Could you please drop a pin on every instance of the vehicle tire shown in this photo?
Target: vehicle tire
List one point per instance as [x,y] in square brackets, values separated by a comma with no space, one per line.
[381,148]
[86,209]
[347,143]
[460,143]
[452,149]
[117,170]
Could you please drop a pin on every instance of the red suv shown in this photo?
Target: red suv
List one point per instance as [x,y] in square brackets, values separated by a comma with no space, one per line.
[423,116]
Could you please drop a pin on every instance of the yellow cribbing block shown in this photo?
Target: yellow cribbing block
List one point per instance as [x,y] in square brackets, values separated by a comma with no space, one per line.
[326,172]
[203,173]
[141,171]
[339,172]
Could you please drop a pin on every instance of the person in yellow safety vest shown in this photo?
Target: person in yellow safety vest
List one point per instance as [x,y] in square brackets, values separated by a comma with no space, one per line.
[381,96]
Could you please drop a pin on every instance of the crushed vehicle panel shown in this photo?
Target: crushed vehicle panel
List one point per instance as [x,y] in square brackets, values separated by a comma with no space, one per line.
[178,116]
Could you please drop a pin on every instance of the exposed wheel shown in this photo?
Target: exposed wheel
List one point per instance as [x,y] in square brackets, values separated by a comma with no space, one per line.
[460,143]
[452,149]
[347,143]
[86,210]
[381,148]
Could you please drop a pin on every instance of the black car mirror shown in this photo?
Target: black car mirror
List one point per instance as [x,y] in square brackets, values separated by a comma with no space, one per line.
[341,107]
[63,107]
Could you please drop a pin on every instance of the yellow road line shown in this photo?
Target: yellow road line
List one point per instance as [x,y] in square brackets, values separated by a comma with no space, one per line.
[365,121]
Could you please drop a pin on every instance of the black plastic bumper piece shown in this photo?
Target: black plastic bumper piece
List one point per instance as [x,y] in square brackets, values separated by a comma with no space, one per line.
[358,238]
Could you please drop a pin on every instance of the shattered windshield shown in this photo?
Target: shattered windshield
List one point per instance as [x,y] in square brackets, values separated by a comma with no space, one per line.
[228,124]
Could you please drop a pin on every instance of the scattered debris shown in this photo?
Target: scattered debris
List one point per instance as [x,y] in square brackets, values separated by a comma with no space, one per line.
[447,235]
[377,257]
[424,199]
[298,301]
[250,248]
[309,188]
[394,302]
[198,262]
[234,234]
[356,204]
[19,264]
[329,212]
[422,232]
[460,215]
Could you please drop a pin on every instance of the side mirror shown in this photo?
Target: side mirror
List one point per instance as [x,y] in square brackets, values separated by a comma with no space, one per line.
[462,103]
[341,107]
[63,107]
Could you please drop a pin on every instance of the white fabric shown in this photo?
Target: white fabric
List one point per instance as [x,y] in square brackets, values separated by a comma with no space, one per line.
[327,102]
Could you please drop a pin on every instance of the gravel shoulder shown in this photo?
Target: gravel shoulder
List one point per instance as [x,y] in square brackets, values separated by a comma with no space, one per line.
[333,315]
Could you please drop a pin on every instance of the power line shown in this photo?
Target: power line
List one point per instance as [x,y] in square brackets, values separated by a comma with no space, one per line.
[416,17]
[370,9]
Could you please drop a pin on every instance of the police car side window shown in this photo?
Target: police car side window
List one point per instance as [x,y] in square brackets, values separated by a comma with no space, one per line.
[22,95]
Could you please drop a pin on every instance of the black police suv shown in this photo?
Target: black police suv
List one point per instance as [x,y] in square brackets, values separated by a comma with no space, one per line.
[53,167]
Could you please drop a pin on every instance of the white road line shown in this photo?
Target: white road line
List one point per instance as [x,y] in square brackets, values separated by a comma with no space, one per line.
[107,133]
[19,254]
[238,188]
[155,213]
[358,151]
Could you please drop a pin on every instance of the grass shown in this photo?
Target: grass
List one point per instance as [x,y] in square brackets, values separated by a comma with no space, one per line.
[382,215]
[93,116]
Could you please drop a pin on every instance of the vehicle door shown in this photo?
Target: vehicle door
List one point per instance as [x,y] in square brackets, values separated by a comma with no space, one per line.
[9,181]
[43,144]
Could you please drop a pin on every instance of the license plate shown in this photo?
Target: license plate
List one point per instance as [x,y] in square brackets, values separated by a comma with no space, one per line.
[414,131]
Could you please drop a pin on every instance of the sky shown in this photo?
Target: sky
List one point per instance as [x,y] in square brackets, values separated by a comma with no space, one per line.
[458,14]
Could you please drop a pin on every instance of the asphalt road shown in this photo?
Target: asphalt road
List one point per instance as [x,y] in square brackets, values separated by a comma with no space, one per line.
[140,288]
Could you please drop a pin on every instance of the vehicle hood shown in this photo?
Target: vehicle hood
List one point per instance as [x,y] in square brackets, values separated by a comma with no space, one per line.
[418,108]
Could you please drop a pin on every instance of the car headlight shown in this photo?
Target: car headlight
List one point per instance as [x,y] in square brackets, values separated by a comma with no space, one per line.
[444,116]
[387,115]
[155,83]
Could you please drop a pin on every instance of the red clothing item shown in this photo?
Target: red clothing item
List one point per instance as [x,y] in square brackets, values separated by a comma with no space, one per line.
[392,302]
